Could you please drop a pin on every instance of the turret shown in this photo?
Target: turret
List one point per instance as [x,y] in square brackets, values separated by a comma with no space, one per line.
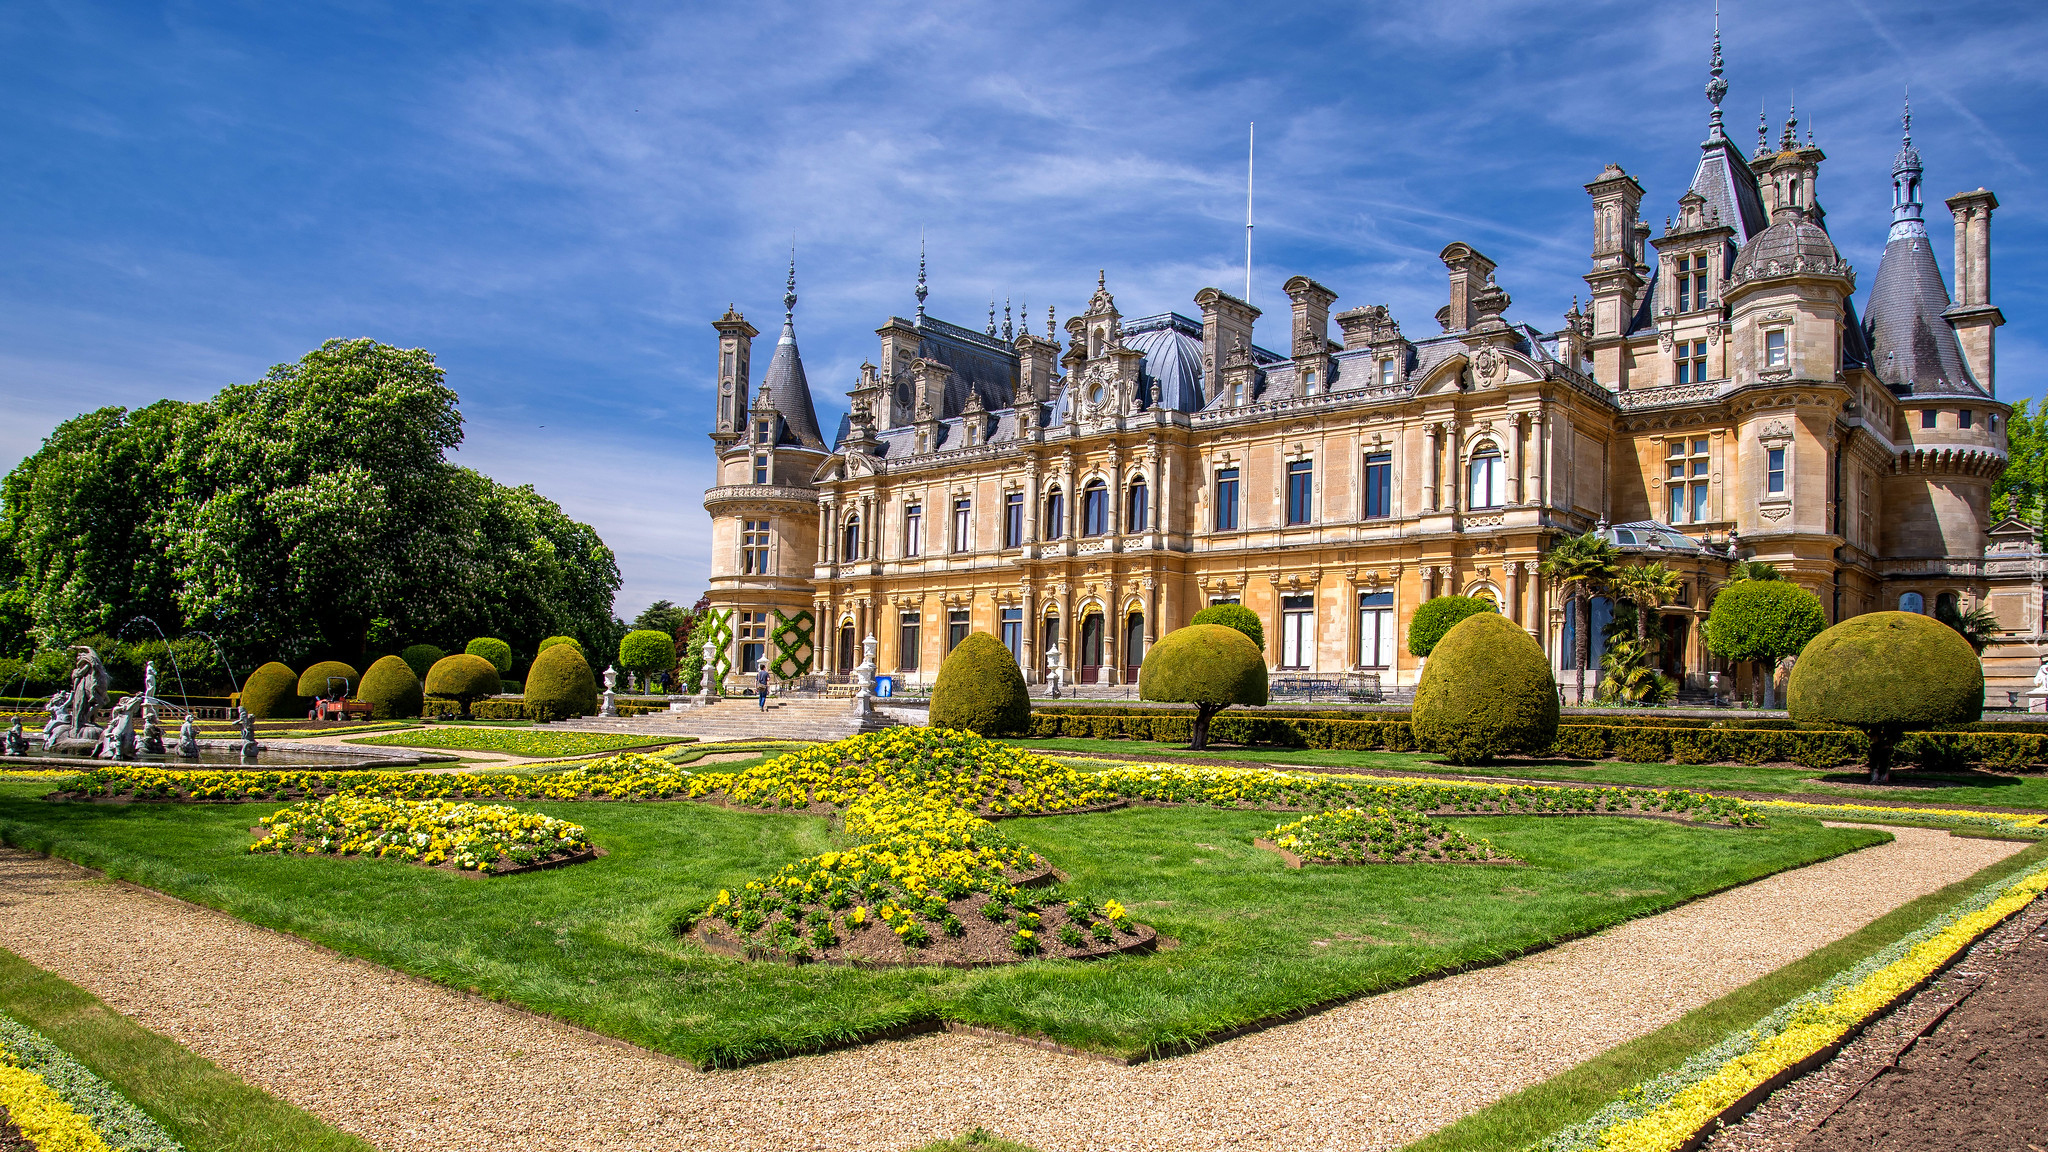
[735,346]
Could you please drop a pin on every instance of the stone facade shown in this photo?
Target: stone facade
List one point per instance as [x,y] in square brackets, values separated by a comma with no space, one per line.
[1718,396]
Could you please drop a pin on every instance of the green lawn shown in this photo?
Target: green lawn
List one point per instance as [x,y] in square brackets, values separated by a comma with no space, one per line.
[516,742]
[1978,788]
[593,943]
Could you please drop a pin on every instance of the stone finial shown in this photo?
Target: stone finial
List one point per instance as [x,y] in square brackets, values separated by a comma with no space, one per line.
[922,291]
[1717,88]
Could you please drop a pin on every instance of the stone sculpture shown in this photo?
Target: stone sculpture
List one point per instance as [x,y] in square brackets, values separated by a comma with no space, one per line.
[710,695]
[118,741]
[864,680]
[17,744]
[1055,676]
[188,739]
[611,681]
[250,748]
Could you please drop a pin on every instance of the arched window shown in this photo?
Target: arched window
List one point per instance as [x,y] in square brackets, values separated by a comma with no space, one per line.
[1486,480]
[1135,510]
[1912,602]
[1055,515]
[1947,605]
[849,545]
[1095,509]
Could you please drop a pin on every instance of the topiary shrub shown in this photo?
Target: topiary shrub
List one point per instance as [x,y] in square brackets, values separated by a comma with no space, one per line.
[1211,666]
[496,651]
[463,678]
[1234,616]
[272,691]
[1763,621]
[391,690]
[980,689]
[1887,673]
[561,681]
[647,651]
[1427,627]
[551,641]
[314,681]
[421,658]
[1486,691]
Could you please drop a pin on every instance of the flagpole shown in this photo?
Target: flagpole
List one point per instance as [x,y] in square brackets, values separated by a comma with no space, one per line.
[1250,141]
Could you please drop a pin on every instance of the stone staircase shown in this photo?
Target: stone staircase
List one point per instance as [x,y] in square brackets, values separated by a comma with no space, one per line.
[740,719]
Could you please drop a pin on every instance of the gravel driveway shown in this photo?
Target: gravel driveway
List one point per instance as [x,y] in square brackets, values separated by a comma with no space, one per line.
[410,1066]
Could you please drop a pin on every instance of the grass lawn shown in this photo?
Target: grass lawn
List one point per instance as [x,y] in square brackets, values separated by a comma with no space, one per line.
[204,1107]
[1976,788]
[514,742]
[593,943]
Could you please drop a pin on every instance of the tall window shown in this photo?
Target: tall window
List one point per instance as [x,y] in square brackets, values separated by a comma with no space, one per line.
[1236,395]
[1297,631]
[1300,487]
[913,530]
[908,626]
[1134,508]
[1134,640]
[1912,602]
[1379,485]
[761,432]
[1226,499]
[956,627]
[752,634]
[1095,509]
[1055,515]
[1013,520]
[1376,629]
[1774,348]
[1774,472]
[1692,361]
[1686,468]
[963,525]
[1386,371]
[1308,382]
[754,548]
[1486,485]
[760,469]
[1013,632]
[849,544]
[1692,282]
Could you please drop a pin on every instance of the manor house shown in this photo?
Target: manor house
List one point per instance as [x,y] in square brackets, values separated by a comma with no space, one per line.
[1721,395]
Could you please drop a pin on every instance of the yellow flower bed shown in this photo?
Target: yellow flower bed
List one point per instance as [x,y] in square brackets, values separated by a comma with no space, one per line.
[958,768]
[43,1117]
[628,776]
[1963,815]
[474,837]
[1379,835]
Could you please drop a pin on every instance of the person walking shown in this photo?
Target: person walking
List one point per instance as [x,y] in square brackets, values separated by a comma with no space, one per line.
[761,685]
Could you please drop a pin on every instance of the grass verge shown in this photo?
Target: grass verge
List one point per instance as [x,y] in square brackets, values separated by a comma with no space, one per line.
[518,742]
[205,1107]
[977,1140]
[1535,1112]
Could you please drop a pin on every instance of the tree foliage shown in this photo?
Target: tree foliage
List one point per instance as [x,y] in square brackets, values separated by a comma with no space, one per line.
[1234,616]
[1887,673]
[1579,567]
[1211,666]
[292,516]
[647,651]
[664,616]
[2026,463]
[1439,616]
[1763,621]
[493,649]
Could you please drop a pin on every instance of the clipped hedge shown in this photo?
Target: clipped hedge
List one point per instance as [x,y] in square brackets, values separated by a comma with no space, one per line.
[391,690]
[421,658]
[493,649]
[313,681]
[1487,692]
[463,677]
[272,691]
[1234,616]
[561,682]
[447,708]
[1435,619]
[979,689]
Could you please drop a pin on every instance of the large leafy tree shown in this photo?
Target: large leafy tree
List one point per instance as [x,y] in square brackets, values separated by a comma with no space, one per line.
[1763,621]
[2026,463]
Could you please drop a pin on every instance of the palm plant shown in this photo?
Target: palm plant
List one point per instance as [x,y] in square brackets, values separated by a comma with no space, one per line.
[1649,587]
[1752,570]
[1978,626]
[1631,677]
[1580,567]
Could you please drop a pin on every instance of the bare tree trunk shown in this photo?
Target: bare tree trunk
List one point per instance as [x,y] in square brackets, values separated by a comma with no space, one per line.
[1770,684]
[1201,734]
[1582,644]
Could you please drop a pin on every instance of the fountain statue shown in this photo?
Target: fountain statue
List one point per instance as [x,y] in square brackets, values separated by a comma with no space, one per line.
[188,739]
[17,744]
[250,748]
[152,729]
[73,714]
[117,742]
[59,723]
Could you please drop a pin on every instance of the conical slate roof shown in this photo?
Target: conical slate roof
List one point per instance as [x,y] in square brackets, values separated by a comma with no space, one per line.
[786,387]
[1912,348]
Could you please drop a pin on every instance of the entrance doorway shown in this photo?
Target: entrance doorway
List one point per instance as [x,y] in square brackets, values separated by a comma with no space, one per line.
[1134,646]
[846,660]
[1091,648]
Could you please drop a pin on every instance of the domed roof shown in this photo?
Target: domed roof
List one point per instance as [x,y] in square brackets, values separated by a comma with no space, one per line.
[1793,245]
[1172,345]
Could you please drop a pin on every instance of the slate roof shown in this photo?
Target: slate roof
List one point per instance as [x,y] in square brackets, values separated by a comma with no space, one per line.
[1172,345]
[981,364]
[1725,179]
[1786,241]
[1911,347]
[791,393]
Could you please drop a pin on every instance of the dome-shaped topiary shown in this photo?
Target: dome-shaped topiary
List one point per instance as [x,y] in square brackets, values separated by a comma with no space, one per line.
[325,677]
[561,682]
[1234,616]
[462,677]
[1763,621]
[1486,691]
[272,691]
[496,651]
[1887,673]
[980,689]
[1211,666]
[646,650]
[551,641]
[1436,617]
[391,690]
[421,658]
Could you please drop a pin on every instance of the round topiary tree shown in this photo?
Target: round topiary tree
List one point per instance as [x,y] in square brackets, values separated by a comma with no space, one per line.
[1887,673]
[271,691]
[646,651]
[1436,617]
[326,675]
[421,658]
[560,682]
[1211,666]
[1487,691]
[464,678]
[551,641]
[1763,621]
[496,651]
[1235,616]
[980,689]
[390,689]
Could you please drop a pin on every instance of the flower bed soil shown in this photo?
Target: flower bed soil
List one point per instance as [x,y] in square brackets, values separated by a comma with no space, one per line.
[1487,809]
[981,943]
[1295,861]
[11,1139]
[559,860]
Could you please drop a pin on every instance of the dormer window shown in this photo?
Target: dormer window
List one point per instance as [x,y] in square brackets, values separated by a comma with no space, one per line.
[1236,395]
[761,432]
[1308,382]
[1692,282]
[1692,361]
[1386,371]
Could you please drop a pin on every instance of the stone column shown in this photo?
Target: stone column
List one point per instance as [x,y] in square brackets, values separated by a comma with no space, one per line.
[1031,503]
[824,529]
[1030,627]
[1436,464]
[831,544]
[1514,590]
[1517,478]
[1112,635]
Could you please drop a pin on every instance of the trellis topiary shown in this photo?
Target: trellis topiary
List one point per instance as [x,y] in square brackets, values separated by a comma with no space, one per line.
[714,625]
[391,690]
[463,678]
[1486,691]
[979,689]
[1887,673]
[561,682]
[316,681]
[495,650]
[793,647]
[272,691]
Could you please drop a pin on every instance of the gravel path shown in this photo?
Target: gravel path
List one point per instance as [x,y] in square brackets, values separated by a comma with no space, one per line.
[414,1067]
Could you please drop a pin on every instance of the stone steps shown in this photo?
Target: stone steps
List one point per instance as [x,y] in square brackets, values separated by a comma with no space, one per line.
[740,719]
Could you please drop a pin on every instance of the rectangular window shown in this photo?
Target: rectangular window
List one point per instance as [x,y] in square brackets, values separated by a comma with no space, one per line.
[1013,632]
[1930,418]
[1684,285]
[907,628]
[1485,480]
[1699,283]
[1236,395]
[1226,499]
[1965,418]
[1136,513]
[760,469]
[1386,371]
[963,525]
[1095,510]
[1056,516]
[1677,504]
[956,627]
[1775,469]
[1376,629]
[1774,348]
[913,530]
[1379,485]
[1297,631]
[1699,504]
[1692,361]
[1013,520]
[754,548]
[1687,459]
[761,432]
[1300,487]
[752,633]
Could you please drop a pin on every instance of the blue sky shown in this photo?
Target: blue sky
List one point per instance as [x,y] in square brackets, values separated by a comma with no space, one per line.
[558,199]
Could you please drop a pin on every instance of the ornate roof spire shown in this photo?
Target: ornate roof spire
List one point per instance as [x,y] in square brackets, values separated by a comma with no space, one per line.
[1009,333]
[1906,174]
[1763,128]
[1050,331]
[1790,139]
[789,290]
[922,291]
[1716,87]
[991,317]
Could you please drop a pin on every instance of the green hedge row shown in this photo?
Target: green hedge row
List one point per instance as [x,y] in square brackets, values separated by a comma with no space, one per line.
[2003,727]
[442,708]
[1813,749]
